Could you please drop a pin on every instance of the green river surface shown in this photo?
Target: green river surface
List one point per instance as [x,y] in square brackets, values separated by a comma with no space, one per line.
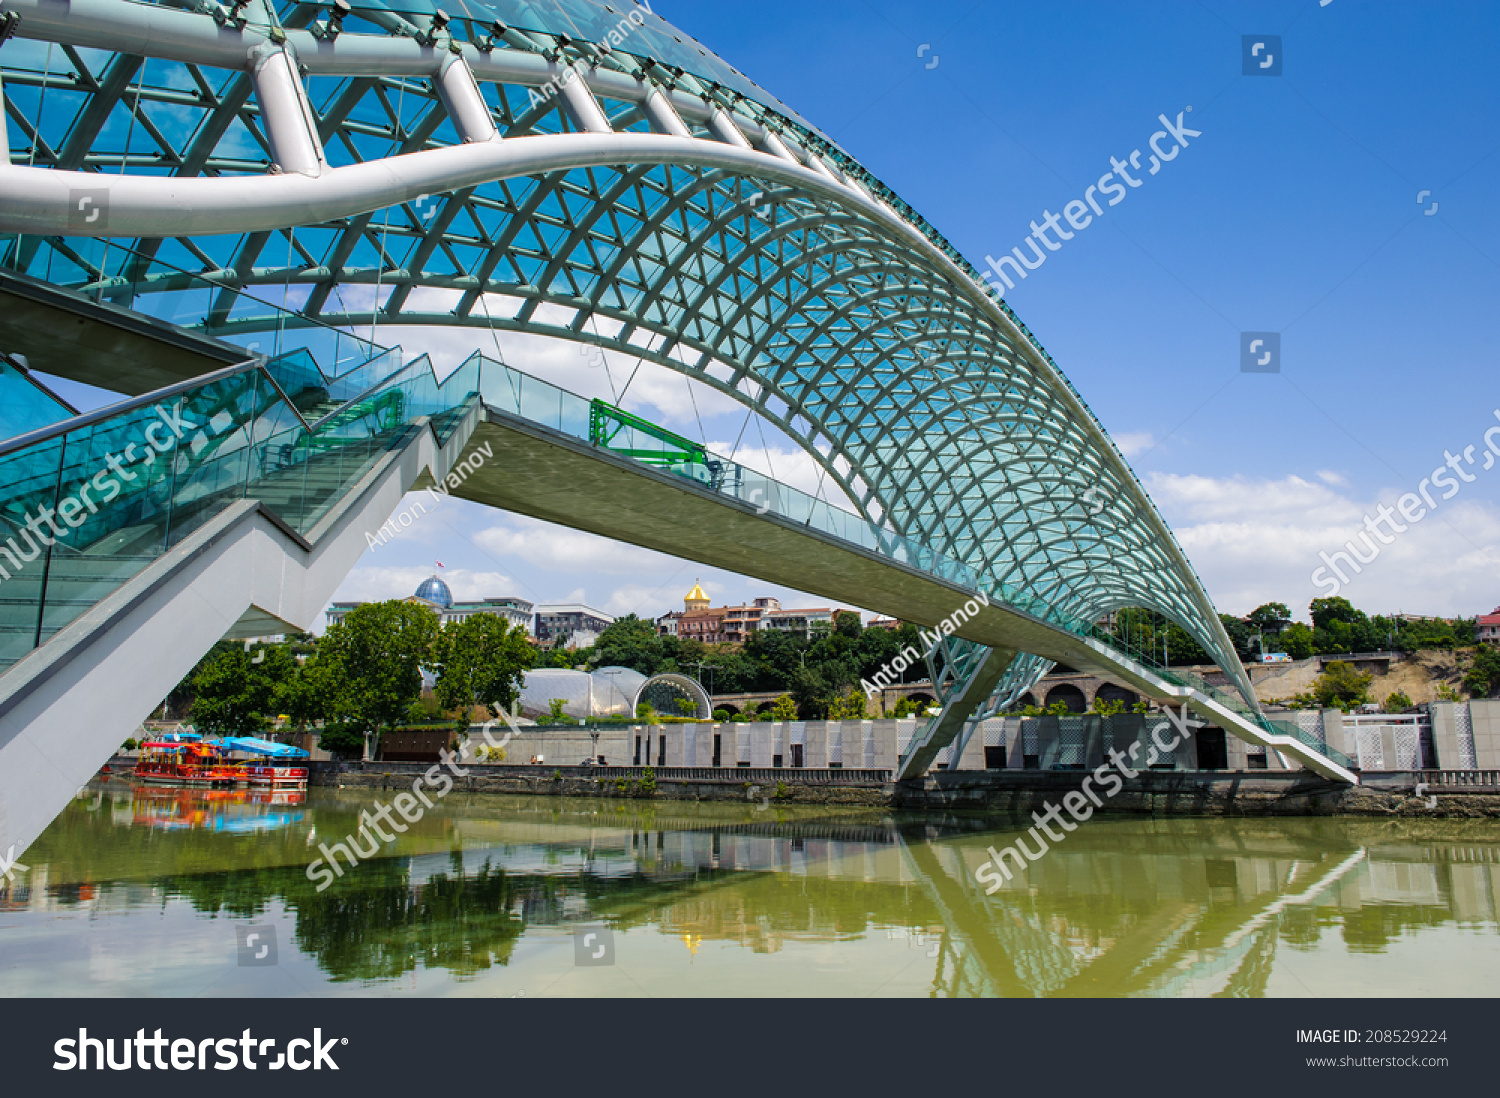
[172,892]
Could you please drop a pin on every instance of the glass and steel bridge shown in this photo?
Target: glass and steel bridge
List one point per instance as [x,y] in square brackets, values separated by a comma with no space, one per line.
[284,176]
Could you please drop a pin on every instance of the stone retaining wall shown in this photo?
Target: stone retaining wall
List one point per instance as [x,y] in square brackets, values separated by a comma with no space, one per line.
[1176,793]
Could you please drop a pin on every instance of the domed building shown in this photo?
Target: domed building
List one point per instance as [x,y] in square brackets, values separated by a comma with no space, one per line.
[433,593]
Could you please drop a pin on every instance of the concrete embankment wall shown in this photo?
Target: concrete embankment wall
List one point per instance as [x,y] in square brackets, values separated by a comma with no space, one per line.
[1202,793]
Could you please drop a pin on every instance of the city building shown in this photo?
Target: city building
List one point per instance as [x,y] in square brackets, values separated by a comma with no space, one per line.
[577,625]
[436,595]
[699,621]
[1487,627]
[801,622]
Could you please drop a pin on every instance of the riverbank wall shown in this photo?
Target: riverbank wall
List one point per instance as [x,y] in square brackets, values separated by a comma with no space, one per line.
[1472,794]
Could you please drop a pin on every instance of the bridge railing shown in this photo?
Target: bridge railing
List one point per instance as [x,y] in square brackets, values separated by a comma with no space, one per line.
[131,481]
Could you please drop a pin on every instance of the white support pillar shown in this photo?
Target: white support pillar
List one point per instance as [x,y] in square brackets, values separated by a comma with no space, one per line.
[463,100]
[726,131]
[772,144]
[285,112]
[664,117]
[581,102]
[815,162]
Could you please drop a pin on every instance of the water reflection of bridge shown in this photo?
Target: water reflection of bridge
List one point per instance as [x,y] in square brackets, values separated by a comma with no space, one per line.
[1125,906]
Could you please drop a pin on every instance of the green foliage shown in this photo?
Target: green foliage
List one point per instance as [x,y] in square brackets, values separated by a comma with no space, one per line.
[424,710]
[1341,686]
[846,623]
[782,792]
[1141,707]
[1058,709]
[1107,707]
[688,707]
[369,666]
[648,782]
[235,694]
[1246,647]
[480,660]
[557,775]
[1297,641]
[785,708]
[1326,612]
[1445,692]
[129,745]
[849,707]
[1271,615]
[631,642]
[1397,702]
[721,714]
[555,710]
[344,740]
[1483,675]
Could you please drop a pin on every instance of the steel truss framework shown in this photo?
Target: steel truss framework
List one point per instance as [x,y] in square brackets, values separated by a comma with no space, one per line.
[667,216]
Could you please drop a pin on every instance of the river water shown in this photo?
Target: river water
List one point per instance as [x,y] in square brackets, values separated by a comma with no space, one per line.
[171,892]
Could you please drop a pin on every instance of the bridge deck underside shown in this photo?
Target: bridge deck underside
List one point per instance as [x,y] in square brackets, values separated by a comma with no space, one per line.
[545,474]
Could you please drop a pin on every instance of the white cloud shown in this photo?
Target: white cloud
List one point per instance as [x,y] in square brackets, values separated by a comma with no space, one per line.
[558,549]
[1134,443]
[1256,541]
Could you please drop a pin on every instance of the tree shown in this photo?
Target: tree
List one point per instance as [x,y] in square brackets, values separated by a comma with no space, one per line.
[846,623]
[1342,686]
[849,707]
[1297,641]
[1327,611]
[303,695]
[1270,617]
[1483,675]
[234,692]
[480,660]
[342,739]
[371,663]
[784,709]
[1396,702]
[631,642]
[1245,646]
[556,710]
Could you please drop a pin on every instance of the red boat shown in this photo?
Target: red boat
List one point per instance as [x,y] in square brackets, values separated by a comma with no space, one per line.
[196,765]
[274,777]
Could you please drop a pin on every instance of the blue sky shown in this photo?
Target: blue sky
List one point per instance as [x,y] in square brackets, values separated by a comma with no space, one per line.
[1296,211]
